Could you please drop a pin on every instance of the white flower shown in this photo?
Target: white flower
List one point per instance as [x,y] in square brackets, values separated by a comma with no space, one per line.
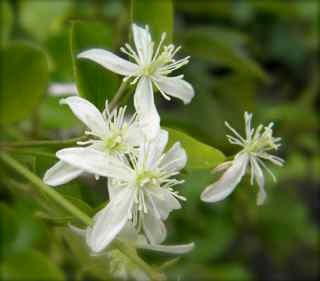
[110,133]
[120,265]
[256,147]
[150,68]
[140,190]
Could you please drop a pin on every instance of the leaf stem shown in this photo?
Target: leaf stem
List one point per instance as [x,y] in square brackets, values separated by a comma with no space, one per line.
[38,183]
[130,252]
[119,94]
[42,142]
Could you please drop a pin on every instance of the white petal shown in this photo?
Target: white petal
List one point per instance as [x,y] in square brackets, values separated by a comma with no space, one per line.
[228,182]
[262,195]
[142,40]
[61,173]
[163,201]
[76,230]
[148,116]
[95,162]
[128,233]
[110,61]
[154,229]
[110,220]
[170,249]
[152,150]
[176,87]
[87,113]
[175,159]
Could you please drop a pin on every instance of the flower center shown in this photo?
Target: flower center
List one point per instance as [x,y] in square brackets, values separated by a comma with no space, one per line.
[116,140]
[263,142]
[147,179]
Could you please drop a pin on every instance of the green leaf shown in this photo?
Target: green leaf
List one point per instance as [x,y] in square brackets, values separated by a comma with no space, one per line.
[221,47]
[158,15]
[30,265]
[24,77]
[200,155]
[6,21]
[42,18]
[94,82]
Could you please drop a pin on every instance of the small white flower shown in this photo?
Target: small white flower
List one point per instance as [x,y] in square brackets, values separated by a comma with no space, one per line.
[151,67]
[110,133]
[256,147]
[140,189]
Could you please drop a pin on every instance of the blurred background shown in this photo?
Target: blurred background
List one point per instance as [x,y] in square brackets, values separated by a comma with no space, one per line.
[259,56]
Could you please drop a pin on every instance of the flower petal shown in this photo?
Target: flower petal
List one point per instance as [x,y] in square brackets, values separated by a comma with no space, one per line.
[175,159]
[170,249]
[142,40]
[154,229]
[262,195]
[95,162]
[163,201]
[152,150]
[61,173]
[110,220]
[175,87]
[228,182]
[87,113]
[110,61]
[148,116]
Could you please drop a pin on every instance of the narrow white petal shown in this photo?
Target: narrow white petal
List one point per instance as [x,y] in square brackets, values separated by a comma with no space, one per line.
[155,149]
[142,41]
[170,249]
[175,159]
[95,162]
[110,221]
[79,231]
[228,182]
[176,87]
[262,195]
[154,229]
[164,201]
[148,116]
[87,113]
[110,61]
[61,173]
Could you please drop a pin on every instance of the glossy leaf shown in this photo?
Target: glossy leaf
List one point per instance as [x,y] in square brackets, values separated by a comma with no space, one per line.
[158,15]
[94,82]
[222,48]
[200,155]
[24,77]
[6,21]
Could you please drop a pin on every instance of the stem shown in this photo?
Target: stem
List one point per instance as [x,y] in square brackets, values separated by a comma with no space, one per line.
[119,94]
[42,142]
[131,253]
[58,198]
[45,189]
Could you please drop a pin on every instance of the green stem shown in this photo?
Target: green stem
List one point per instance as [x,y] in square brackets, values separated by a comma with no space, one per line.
[59,199]
[118,96]
[131,253]
[42,142]
[38,183]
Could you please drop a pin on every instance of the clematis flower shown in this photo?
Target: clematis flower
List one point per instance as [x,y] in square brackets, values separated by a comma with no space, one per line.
[150,67]
[255,150]
[110,134]
[120,266]
[140,189]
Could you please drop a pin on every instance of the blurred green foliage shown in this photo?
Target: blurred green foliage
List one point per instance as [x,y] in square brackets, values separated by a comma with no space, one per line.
[260,56]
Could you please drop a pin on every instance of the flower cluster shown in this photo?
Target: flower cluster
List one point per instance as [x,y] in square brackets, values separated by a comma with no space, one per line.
[131,152]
